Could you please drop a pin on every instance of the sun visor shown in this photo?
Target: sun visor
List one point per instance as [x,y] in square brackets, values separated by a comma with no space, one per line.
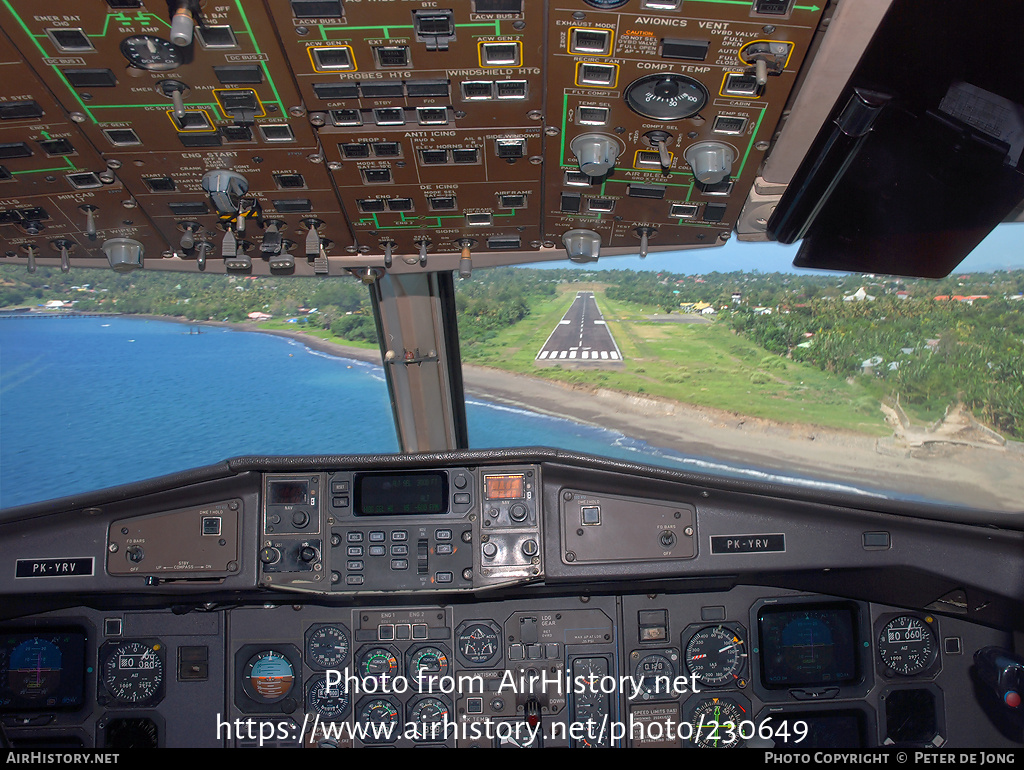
[921,157]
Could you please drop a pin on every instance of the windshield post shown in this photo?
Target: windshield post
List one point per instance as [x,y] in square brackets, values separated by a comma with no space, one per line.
[419,345]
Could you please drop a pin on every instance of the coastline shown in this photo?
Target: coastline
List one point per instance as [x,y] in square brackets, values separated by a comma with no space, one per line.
[961,475]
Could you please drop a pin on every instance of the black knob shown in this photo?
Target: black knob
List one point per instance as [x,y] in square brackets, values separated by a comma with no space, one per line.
[518,512]
[270,555]
[307,553]
[300,519]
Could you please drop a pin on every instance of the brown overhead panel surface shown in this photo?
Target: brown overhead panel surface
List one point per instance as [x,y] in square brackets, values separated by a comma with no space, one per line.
[644,85]
[291,191]
[41,150]
[55,189]
[117,71]
[81,221]
[406,186]
[485,69]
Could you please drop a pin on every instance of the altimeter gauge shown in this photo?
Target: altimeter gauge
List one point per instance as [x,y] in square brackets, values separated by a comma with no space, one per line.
[132,672]
[907,645]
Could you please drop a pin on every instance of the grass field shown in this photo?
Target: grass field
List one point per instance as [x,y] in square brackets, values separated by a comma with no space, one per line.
[701,364]
[315,331]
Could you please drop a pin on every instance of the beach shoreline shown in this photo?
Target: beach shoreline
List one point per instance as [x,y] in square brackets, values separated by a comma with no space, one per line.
[961,475]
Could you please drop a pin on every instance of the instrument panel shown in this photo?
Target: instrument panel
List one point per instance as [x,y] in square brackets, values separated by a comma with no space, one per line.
[229,607]
[285,137]
[601,670]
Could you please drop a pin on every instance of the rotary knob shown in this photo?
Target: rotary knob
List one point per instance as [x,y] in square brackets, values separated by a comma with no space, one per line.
[582,245]
[123,254]
[711,161]
[596,153]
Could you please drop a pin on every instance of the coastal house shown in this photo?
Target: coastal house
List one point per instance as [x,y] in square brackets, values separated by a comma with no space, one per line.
[869,365]
[860,295]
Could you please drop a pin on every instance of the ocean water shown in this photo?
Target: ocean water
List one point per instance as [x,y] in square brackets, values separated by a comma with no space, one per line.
[87,403]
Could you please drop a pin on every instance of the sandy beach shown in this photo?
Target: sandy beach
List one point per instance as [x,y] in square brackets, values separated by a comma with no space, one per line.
[987,478]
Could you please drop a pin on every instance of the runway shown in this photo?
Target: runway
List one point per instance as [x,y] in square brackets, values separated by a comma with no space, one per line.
[582,336]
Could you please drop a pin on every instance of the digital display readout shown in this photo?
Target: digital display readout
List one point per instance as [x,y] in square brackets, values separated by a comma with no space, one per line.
[287,492]
[396,494]
[42,670]
[510,486]
[809,645]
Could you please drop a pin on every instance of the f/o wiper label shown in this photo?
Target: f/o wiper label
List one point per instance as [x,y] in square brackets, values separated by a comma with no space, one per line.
[748,543]
[72,567]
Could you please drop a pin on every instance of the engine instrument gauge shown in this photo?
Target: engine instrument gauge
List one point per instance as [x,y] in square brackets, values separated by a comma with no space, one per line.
[716,656]
[426,666]
[666,96]
[377,663]
[268,677]
[429,717]
[132,672]
[152,53]
[331,702]
[478,643]
[379,711]
[717,722]
[907,645]
[327,647]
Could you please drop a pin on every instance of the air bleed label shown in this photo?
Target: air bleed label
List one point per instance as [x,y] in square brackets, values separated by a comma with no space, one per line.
[748,543]
[73,567]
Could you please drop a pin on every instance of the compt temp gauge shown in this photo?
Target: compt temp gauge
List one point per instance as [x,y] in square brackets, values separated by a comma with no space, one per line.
[666,96]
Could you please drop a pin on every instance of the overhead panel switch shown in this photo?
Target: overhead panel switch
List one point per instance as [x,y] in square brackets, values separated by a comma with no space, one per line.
[711,161]
[226,189]
[582,245]
[596,153]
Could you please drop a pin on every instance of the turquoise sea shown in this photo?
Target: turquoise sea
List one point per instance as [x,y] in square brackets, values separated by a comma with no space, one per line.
[87,403]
